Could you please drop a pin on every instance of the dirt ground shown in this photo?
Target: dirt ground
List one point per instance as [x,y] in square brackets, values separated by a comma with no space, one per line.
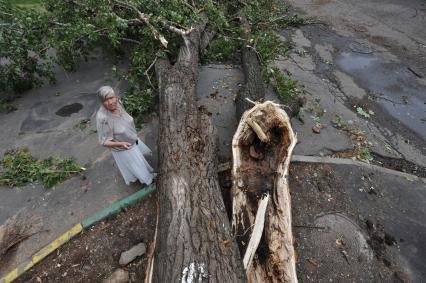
[335,240]
[93,256]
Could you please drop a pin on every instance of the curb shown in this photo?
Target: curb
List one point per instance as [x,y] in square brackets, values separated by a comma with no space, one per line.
[117,206]
[344,161]
[77,229]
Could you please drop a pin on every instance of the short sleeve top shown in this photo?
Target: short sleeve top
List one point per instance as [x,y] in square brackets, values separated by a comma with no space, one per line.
[115,127]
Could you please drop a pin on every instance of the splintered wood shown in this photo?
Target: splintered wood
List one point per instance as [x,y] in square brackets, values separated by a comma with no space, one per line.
[262,148]
[258,130]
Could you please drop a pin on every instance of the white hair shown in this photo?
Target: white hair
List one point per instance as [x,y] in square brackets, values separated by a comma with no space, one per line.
[104,92]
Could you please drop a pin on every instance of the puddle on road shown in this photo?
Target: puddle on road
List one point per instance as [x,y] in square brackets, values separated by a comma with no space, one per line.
[351,62]
[398,90]
[69,109]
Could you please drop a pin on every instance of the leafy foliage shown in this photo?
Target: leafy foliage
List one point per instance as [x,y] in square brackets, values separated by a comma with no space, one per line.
[24,57]
[265,17]
[265,14]
[66,32]
[269,46]
[362,146]
[285,87]
[362,112]
[137,103]
[222,49]
[20,168]
[365,155]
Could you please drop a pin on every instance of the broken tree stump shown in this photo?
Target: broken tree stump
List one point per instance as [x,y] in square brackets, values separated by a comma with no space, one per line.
[256,181]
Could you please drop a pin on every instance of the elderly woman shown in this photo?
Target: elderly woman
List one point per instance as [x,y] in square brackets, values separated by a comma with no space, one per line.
[117,131]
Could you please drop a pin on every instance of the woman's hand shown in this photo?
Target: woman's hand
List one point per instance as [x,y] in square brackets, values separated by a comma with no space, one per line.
[112,144]
[126,145]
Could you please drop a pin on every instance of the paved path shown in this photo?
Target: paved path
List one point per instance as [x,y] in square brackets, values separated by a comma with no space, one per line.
[355,56]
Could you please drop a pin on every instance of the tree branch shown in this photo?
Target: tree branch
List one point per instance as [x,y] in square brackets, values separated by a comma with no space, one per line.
[147,70]
[130,40]
[7,14]
[96,31]
[145,19]
[59,24]
[142,17]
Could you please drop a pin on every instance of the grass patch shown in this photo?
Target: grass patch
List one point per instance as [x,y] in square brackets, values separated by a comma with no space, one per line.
[19,168]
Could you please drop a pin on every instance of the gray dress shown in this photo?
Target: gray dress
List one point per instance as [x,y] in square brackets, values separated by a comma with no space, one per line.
[131,162]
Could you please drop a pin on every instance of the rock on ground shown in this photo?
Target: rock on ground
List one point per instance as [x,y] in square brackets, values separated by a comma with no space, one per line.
[119,276]
[128,256]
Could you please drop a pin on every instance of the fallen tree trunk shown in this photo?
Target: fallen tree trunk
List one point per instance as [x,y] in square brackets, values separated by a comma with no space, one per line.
[253,87]
[262,148]
[194,241]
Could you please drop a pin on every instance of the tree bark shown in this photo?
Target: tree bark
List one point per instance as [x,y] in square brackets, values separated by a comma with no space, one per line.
[194,241]
[253,87]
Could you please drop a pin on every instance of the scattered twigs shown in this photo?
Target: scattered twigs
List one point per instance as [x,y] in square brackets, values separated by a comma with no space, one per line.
[345,255]
[417,74]
[375,96]
[20,239]
[17,229]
